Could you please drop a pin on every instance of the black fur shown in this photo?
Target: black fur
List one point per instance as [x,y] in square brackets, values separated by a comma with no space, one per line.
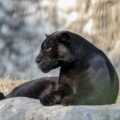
[36,89]
[2,96]
[87,77]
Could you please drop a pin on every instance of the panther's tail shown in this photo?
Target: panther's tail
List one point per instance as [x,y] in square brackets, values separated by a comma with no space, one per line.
[2,96]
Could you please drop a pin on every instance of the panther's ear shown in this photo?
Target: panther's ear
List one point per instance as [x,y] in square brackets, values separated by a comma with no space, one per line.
[65,37]
[46,35]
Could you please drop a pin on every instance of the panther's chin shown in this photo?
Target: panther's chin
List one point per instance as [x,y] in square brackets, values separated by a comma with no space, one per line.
[48,68]
[45,70]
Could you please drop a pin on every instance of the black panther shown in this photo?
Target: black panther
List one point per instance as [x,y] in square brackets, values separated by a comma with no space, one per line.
[87,77]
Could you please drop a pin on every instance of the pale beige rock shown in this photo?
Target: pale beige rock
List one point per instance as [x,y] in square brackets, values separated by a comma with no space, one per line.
[30,109]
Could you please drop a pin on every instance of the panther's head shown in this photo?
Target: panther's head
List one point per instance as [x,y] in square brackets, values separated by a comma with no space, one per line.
[55,49]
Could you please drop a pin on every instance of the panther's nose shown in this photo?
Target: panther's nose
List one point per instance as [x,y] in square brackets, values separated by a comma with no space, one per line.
[38,60]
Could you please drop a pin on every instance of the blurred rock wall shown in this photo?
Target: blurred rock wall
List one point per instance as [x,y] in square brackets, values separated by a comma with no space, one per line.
[23,24]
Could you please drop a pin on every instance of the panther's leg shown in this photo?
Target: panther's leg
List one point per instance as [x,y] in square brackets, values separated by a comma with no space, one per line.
[55,97]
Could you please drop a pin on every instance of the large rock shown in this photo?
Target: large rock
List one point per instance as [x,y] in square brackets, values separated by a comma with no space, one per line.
[30,109]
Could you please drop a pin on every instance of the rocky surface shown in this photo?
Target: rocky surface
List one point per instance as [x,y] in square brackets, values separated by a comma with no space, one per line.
[30,109]
[24,22]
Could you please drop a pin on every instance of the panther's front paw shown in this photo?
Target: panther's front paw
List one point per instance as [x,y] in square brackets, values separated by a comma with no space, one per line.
[66,101]
[50,100]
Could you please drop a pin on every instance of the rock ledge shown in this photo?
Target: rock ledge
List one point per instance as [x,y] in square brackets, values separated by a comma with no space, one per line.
[22,108]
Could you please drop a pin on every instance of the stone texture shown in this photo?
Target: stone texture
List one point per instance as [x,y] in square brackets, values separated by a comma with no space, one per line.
[30,109]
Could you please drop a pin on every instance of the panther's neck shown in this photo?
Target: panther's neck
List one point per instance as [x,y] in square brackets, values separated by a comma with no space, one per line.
[75,68]
[83,53]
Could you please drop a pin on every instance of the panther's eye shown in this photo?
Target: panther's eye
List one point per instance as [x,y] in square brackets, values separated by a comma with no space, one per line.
[49,49]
